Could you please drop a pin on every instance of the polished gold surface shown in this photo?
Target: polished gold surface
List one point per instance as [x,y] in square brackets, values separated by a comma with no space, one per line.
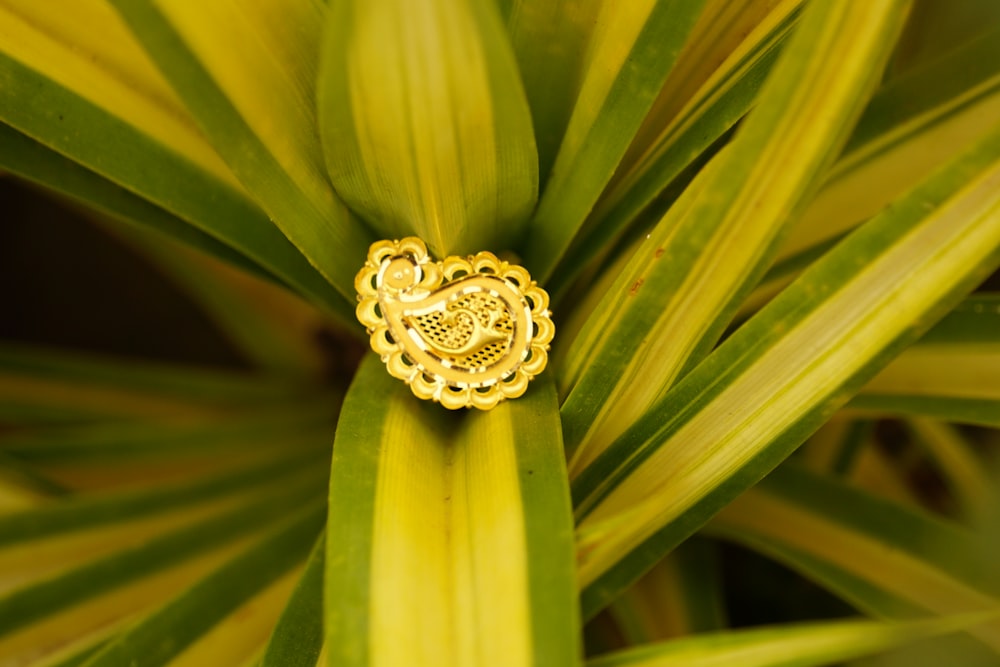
[464,331]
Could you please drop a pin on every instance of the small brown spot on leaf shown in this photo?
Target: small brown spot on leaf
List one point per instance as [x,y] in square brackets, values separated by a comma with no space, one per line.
[658,253]
[635,286]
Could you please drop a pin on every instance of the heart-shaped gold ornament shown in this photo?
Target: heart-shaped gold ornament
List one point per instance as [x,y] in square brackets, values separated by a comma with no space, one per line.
[462,331]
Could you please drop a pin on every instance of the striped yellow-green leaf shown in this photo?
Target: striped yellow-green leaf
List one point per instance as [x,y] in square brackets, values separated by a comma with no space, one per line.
[801,645]
[105,444]
[631,50]
[916,122]
[449,540]
[189,618]
[886,559]
[34,380]
[67,585]
[950,374]
[671,302]
[75,82]
[953,382]
[41,165]
[673,140]
[23,486]
[83,512]
[246,73]
[424,121]
[780,376]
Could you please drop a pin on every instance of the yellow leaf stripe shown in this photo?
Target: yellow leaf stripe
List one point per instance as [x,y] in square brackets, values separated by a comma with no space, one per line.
[425,123]
[447,537]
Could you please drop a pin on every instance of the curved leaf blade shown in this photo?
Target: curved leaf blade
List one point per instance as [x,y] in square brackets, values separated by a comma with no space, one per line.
[803,645]
[191,614]
[550,40]
[673,141]
[787,370]
[91,593]
[636,45]
[297,639]
[92,96]
[424,122]
[28,159]
[448,543]
[886,559]
[694,268]
[231,63]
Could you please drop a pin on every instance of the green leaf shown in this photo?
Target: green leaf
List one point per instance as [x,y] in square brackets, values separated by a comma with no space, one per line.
[803,645]
[31,160]
[965,472]
[424,122]
[86,383]
[92,96]
[298,637]
[694,268]
[550,39]
[664,151]
[248,433]
[885,559]
[165,633]
[448,546]
[914,124]
[950,374]
[85,513]
[273,329]
[246,73]
[101,591]
[952,381]
[75,655]
[780,376]
[636,45]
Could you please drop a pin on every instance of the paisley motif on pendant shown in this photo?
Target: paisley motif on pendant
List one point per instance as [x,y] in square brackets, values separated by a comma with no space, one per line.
[463,331]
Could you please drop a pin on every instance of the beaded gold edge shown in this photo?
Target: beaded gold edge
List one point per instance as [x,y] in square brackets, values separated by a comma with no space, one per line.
[463,331]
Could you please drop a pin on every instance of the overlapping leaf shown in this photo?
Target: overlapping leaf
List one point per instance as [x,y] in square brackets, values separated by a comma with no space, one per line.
[885,559]
[92,96]
[425,126]
[258,111]
[787,369]
[635,46]
[668,306]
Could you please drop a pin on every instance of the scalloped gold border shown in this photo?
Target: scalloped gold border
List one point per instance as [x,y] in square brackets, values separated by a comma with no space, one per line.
[450,394]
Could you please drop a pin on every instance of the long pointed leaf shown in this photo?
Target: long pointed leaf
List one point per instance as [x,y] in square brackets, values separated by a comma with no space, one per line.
[424,122]
[448,547]
[550,39]
[298,637]
[209,54]
[805,645]
[676,143]
[885,559]
[31,160]
[92,96]
[636,45]
[683,284]
[190,615]
[787,370]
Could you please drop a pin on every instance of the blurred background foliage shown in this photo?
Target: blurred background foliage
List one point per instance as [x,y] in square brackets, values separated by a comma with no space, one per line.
[70,279]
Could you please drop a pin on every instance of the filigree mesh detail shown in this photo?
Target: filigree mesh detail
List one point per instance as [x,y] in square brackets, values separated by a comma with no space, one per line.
[446,332]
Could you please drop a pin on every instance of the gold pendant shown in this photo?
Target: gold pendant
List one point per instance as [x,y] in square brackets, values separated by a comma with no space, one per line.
[463,331]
